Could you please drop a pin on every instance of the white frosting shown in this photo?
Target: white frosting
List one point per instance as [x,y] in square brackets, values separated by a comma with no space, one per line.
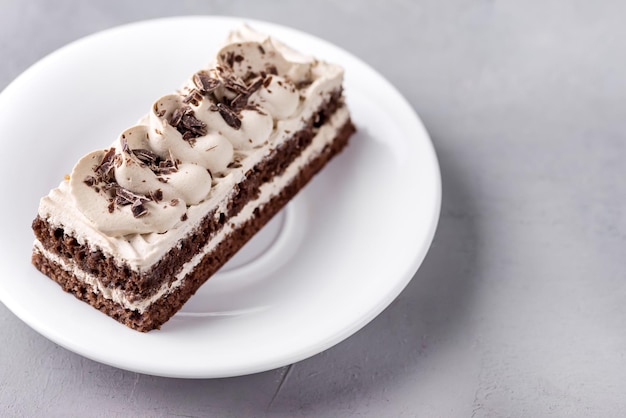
[204,177]
[245,42]
[279,98]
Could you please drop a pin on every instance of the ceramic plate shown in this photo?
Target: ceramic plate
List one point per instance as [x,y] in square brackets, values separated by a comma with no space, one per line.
[322,269]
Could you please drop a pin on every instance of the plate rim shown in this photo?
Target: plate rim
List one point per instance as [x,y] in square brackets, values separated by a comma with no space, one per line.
[410,116]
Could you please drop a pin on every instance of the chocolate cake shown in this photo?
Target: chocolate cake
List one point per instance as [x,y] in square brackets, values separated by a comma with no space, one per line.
[139,226]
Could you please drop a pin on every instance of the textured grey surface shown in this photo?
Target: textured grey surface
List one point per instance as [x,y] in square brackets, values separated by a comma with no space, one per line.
[519,307]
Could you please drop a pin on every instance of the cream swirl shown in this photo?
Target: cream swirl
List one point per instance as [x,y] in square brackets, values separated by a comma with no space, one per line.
[146,181]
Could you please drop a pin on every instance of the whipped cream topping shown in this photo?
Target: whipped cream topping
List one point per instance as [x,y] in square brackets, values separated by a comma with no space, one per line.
[146,181]
[155,170]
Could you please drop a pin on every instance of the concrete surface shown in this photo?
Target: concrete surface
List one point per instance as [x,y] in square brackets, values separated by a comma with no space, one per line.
[519,307]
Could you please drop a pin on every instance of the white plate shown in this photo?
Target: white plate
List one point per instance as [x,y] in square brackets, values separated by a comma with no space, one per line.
[326,266]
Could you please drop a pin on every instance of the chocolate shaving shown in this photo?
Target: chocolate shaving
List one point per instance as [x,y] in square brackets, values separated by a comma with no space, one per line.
[138,209]
[156,195]
[125,197]
[235,84]
[104,170]
[241,100]
[229,58]
[193,125]
[153,161]
[194,97]
[229,116]
[189,136]
[205,83]
[90,181]
[166,167]
[159,113]
[145,155]
[177,116]
[110,187]
[184,120]
[125,147]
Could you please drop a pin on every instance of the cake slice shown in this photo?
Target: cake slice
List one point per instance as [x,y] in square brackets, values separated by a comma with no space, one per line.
[139,226]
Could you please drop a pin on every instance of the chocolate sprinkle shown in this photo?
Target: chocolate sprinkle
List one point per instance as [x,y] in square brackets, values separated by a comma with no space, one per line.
[194,97]
[145,156]
[177,116]
[105,168]
[153,161]
[230,59]
[156,195]
[90,181]
[166,167]
[184,120]
[241,100]
[125,197]
[138,209]
[125,147]
[229,116]
[205,83]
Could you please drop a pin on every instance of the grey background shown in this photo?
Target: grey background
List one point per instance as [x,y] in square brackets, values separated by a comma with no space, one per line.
[518,310]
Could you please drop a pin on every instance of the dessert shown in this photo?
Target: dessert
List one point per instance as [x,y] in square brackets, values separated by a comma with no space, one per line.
[139,226]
